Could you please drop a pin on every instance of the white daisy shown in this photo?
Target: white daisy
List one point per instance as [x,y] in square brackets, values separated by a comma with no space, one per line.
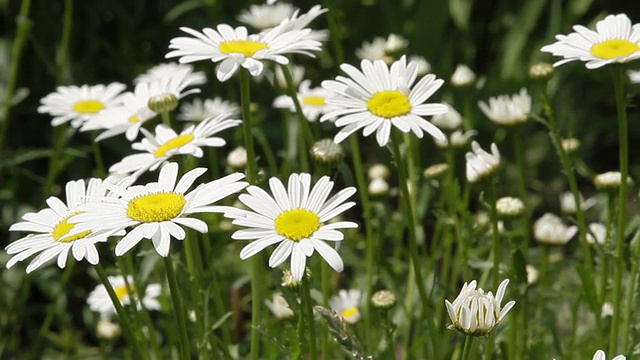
[267,16]
[597,233]
[634,76]
[457,139]
[233,48]
[100,302]
[383,49]
[295,22]
[312,101]
[169,70]
[601,355]
[296,219]
[199,110]
[481,164]
[157,210]
[423,65]
[463,76]
[614,41]
[450,121]
[167,143]
[549,229]
[508,111]
[279,307]
[51,233]
[79,104]
[568,203]
[346,304]
[378,96]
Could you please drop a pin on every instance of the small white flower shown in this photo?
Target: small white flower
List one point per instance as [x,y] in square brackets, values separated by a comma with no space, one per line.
[614,41]
[457,139]
[199,110]
[533,274]
[166,143]
[475,313]
[378,97]
[346,304]
[158,210]
[300,22]
[423,65]
[378,187]
[395,43]
[600,355]
[237,158]
[435,171]
[510,207]
[463,76]
[570,145]
[106,329]
[80,104]
[267,16]
[296,218]
[378,171]
[597,233]
[549,229]
[279,307]
[634,76]
[383,49]
[481,164]
[508,111]
[179,73]
[568,203]
[100,302]
[312,101]
[610,180]
[297,74]
[451,120]
[607,309]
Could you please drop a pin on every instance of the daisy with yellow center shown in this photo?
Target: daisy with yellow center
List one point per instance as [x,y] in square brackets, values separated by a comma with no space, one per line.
[52,234]
[233,48]
[77,104]
[377,97]
[100,302]
[166,143]
[158,210]
[296,219]
[346,304]
[615,40]
[312,101]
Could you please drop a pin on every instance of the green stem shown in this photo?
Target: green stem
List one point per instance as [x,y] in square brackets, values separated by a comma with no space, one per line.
[59,139]
[124,319]
[22,32]
[179,310]
[308,313]
[324,336]
[97,156]
[618,85]
[252,171]
[493,214]
[631,291]
[304,123]
[468,344]
[413,240]
[63,67]
[166,118]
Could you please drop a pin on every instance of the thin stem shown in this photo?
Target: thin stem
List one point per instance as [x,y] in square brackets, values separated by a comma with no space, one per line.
[324,336]
[413,240]
[59,139]
[63,74]
[22,32]
[124,319]
[307,307]
[176,296]
[252,171]
[304,123]
[166,118]
[493,214]
[97,156]
[631,291]
[618,85]
[468,344]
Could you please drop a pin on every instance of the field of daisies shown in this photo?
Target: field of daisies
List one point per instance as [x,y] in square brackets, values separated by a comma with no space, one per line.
[368,179]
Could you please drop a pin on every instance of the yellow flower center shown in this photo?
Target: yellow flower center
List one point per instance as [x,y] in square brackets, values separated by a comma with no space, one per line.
[353,311]
[134,119]
[297,224]
[389,104]
[88,106]
[156,207]
[314,100]
[246,47]
[614,48]
[174,143]
[122,291]
[63,228]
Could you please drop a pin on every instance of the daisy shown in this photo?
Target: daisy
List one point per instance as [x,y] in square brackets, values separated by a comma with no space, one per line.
[100,302]
[481,164]
[601,355]
[634,76]
[614,41]
[312,101]
[279,307]
[169,70]
[267,16]
[167,143]
[346,303]
[549,229]
[79,104]
[508,111]
[199,110]
[378,96]
[383,49]
[463,76]
[475,312]
[296,219]
[157,210]
[50,229]
[301,22]
[597,233]
[232,48]
[449,121]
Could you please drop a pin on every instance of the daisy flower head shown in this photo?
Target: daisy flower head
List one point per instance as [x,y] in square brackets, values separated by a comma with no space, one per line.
[234,48]
[346,304]
[550,230]
[457,139]
[199,110]
[167,142]
[508,110]
[615,40]
[297,218]
[77,104]
[481,164]
[51,232]
[300,22]
[475,312]
[172,70]
[100,302]
[312,101]
[266,16]
[449,121]
[158,210]
[383,49]
[377,97]
[601,355]
[634,76]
